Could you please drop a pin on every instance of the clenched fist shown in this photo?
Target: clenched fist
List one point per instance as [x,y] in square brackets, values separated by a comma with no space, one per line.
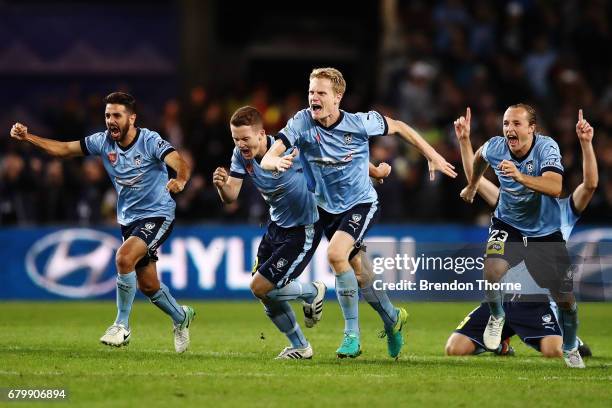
[220,177]
[175,186]
[19,131]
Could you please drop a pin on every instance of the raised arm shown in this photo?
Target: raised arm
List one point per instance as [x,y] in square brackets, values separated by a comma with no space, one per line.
[590,176]
[227,187]
[50,146]
[487,190]
[183,172]
[434,159]
[478,169]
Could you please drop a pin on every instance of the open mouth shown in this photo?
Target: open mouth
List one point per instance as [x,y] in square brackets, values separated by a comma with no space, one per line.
[245,152]
[114,131]
[316,108]
[513,141]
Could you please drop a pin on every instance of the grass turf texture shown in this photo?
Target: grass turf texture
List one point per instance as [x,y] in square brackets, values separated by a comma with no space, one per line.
[230,361]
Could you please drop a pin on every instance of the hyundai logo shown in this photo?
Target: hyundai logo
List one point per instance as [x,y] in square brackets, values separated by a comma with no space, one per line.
[76,263]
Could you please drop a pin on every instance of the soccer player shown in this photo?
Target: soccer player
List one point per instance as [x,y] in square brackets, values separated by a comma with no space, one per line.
[529,312]
[527,223]
[334,148]
[135,159]
[292,236]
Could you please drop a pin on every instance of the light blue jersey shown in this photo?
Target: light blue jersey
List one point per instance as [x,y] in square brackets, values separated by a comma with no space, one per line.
[336,156]
[291,203]
[533,214]
[520,274]
[138,173]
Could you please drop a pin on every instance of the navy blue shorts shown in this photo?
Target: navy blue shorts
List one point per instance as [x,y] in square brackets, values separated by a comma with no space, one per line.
[546,257]
[284,252]
[153,231]
[531,321]
[356,222]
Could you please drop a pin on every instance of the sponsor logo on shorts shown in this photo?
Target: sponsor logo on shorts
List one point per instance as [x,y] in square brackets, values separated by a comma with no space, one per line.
[354,221]
[150,225]
[548,322]
[495,248]
[280,264]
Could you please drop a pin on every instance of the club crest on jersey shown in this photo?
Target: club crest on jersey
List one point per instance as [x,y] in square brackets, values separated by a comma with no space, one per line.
[137,160]
[529,167]
[280,264]
[112,158]
[348,138]
[275,173]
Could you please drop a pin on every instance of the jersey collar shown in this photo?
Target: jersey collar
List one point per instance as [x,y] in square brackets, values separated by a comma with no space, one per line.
[126,148]
[521,159]
[269,139]
[333,125]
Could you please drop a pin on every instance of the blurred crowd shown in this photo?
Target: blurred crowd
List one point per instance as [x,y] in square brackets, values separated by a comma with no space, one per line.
[435,59]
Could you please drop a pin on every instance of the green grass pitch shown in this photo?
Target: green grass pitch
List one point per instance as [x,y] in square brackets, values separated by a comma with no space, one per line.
[230,361]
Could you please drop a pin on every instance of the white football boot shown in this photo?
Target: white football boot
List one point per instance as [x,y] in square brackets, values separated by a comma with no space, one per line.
[493,332]
[313,311]
[116,335]
[573,359]
[181,331]
[292,353]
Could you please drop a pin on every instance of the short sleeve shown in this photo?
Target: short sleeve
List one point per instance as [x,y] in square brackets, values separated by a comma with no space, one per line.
[550,157]
[158,147]
[290,134]
[374,123]
[92,144]
[483,152]
[237,169]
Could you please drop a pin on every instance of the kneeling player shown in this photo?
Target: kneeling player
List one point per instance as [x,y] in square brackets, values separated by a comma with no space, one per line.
[532,317]
[292,236]
[529,314]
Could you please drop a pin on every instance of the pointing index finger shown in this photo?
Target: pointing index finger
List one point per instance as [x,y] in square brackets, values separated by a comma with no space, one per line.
[468,114]
[580,117]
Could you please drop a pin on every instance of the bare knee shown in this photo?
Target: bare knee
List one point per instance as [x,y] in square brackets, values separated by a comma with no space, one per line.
[459,345]
[337,259]
[550,346]
[258,290]
[495,269]
[551,353]
[125,262]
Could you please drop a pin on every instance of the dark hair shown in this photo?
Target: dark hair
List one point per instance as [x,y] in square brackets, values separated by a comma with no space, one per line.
[122,98]
[246,116]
